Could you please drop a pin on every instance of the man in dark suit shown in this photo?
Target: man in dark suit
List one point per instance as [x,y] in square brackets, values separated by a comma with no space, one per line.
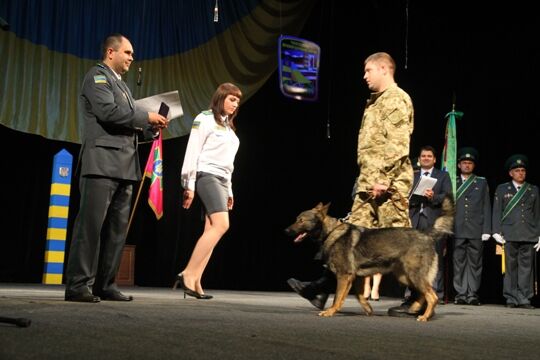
[109,166]
[472,227]
[516,226]
[424,209]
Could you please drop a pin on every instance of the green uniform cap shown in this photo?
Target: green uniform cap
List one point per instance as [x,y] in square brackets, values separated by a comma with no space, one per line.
[467,153]
[516,161]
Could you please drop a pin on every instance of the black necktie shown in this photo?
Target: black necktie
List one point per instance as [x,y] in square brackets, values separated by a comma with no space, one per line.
[426,173]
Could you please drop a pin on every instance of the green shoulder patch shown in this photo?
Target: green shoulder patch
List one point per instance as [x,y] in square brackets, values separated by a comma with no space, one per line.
[100,79]
[207,112]
[196,124]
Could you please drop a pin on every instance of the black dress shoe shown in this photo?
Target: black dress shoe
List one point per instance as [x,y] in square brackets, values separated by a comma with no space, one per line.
[474,302]
[303,289]
[84,297]
[115,296]
[297,286]
[319,301]
[511,305]
[402,311]
[460,302]
[526,306]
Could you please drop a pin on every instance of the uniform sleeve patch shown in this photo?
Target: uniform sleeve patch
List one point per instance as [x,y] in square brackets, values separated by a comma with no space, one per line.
[196,124]
[100,79]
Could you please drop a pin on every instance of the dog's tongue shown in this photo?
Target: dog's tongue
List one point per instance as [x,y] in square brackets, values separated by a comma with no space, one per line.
[300,237]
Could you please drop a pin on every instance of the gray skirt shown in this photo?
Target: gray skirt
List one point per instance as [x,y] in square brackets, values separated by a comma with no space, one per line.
[213,192]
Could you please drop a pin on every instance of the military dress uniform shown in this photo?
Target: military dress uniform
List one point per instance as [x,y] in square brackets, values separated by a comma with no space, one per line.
[109,166]
[472,226]
[516,216]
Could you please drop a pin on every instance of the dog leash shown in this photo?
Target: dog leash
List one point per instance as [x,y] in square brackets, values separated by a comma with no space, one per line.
[401,199]
[364,202]
[400,203]
[346,218]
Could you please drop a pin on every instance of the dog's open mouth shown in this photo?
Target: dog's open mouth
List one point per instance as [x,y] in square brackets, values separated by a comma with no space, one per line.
[300,237]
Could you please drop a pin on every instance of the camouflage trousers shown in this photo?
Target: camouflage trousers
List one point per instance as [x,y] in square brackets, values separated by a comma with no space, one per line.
[389,210]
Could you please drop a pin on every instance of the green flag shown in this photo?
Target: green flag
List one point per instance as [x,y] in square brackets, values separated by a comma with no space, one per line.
[449,162]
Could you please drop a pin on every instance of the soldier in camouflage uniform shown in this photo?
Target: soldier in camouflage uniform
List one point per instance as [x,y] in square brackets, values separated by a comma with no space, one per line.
[386,174]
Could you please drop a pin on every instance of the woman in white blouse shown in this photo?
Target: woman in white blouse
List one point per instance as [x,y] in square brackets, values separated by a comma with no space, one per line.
[207,170]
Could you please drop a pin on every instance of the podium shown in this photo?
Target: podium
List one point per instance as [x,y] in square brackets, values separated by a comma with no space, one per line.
[126,271]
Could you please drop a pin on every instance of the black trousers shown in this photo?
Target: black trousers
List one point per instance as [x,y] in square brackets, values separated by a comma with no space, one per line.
[467,259]
[518,278]
[99,235]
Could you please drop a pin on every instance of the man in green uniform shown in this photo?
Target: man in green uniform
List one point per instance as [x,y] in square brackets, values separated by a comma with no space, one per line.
[516,226]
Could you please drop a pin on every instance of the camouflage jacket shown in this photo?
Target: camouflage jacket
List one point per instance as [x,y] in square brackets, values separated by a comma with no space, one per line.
[384,139]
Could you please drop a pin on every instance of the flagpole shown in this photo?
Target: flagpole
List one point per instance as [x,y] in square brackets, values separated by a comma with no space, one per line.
[138,195]
[135,205]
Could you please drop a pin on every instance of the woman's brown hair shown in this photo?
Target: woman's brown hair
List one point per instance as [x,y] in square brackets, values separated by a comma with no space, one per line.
[218,99]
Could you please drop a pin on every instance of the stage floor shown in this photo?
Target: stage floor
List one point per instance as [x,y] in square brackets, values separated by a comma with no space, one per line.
[161,324]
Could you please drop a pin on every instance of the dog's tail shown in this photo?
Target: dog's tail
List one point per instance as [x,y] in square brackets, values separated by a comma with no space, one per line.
[445,222]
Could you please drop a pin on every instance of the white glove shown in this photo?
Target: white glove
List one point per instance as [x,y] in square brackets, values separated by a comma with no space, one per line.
[537,245]
[485,237]
[498,238]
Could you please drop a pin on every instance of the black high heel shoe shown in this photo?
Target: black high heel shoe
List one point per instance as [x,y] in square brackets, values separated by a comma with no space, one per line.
[188,291]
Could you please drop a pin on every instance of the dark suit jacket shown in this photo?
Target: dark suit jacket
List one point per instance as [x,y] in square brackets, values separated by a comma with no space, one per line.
[431,208]
[473,210]
[111,123]
[523,222]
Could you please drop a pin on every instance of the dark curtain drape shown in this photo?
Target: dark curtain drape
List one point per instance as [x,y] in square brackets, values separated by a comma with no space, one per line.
[287,162]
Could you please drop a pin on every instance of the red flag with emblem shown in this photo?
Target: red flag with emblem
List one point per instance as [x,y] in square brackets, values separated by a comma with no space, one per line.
[154,170]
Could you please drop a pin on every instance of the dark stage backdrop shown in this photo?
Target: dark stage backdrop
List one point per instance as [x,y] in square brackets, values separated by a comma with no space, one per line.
[287,162]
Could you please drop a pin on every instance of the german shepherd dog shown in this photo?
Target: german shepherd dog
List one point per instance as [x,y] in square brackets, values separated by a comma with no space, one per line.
[351,251]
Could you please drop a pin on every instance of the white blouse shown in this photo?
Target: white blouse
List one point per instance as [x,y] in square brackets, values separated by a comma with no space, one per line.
[211,148]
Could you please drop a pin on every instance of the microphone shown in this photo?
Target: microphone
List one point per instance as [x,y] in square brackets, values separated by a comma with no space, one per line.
[216,13]
[139,77]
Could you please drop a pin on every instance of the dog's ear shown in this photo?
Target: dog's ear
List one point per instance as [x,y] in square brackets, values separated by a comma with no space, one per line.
[319,206]
[324,209]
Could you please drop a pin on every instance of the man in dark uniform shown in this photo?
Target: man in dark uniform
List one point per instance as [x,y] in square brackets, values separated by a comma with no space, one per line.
[472,226]
[516,226]
[109,166]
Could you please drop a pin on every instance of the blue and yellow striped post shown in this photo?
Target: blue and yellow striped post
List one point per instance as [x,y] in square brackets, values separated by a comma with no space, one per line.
[58,218]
